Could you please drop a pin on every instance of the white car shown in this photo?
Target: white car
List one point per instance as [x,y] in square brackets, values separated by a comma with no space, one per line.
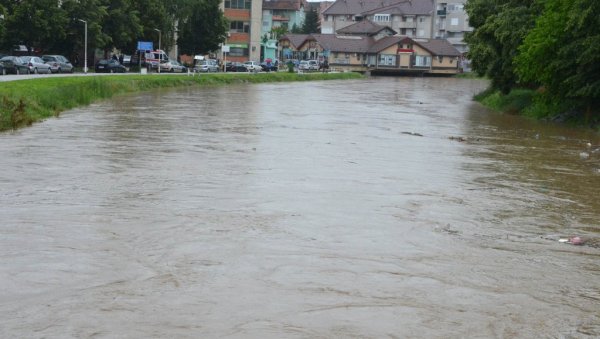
[303,65]
[308,65]
[172,66]
[253,66]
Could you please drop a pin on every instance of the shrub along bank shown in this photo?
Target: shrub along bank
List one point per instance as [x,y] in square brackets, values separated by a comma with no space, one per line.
[24,102]
[534,104]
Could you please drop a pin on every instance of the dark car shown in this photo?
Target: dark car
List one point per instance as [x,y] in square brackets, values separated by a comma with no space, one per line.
[110,66]
[269,67]
[235,67]
[58,63]
[14,65]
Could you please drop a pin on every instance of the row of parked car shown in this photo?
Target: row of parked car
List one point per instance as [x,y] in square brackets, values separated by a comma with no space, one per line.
[46,64]
[209,66]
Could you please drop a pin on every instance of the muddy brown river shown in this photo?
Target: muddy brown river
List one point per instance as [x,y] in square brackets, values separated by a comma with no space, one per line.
[378,208]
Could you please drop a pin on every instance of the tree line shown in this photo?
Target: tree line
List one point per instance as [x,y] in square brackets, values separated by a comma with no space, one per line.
[551,46]
[54,26]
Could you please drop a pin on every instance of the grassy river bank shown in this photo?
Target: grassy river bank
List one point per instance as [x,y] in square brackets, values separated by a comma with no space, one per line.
[530,103]
[26,101]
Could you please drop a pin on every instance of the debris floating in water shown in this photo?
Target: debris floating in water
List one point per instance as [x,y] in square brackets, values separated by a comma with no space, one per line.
[459,139]
[413,133]
[572,240]
[576,241]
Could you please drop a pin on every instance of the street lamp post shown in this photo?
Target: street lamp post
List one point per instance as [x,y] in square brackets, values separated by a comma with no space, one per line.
[159,50]
[225,49]
[85,68]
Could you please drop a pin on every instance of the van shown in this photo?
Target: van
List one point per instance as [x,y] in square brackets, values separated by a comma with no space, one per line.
[149,58]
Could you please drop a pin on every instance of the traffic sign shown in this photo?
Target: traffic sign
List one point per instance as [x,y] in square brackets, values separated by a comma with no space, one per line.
[145,45]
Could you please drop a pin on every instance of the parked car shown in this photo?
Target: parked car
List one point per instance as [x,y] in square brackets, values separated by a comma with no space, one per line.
[253,66]
[110,66]
[126,60]
[308,65]
[14,65]
[173,66]
[206,66]
[58,63]
[36,64]
[269,66]
[303,65]
[235,67]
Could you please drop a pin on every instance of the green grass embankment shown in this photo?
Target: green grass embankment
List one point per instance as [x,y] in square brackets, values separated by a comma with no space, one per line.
[534,104]
[24,102]
[516,102]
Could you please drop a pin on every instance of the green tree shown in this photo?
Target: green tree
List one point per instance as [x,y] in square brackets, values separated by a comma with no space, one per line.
[154,15]
[122,25]
[562,53]
[204,29]
[35,23]
[3,13]
[295,29]
[278,31]
[499,29]
[311,22]
[92,11]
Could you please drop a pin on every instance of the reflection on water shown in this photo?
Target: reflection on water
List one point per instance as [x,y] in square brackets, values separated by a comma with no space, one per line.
[387,207]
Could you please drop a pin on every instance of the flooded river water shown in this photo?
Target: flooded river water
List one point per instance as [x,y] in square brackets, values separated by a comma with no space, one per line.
[386,207]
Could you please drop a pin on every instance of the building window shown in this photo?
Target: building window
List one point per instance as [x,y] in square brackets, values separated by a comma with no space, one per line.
[422,61]
[265,24]
[421,32]
[239,27]
[382,18]
[387,59]
[238,52]
[421,19]
[454,22]
[455,7]
[238,4]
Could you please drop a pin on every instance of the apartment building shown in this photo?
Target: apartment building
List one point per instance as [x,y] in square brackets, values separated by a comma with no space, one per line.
[284,14]
[424,19]
[452,22]
[244,38]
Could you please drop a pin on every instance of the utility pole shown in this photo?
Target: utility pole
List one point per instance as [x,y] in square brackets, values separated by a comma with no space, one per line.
[159,50]
[85,59]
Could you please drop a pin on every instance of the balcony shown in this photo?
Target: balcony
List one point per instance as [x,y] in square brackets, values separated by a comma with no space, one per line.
[404,24]
[441,12]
